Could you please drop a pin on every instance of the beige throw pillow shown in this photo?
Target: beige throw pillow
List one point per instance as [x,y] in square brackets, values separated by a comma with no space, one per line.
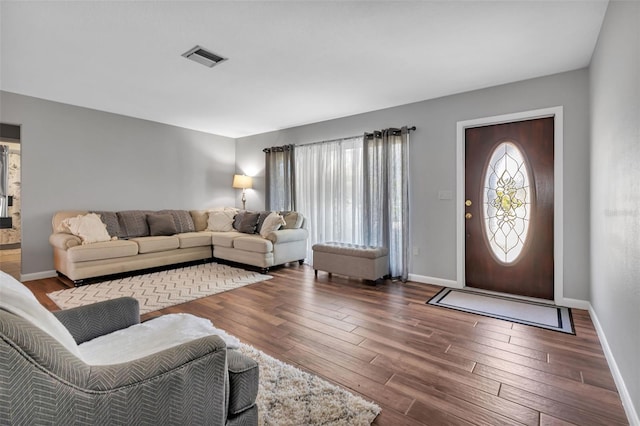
[293,220]
[221,220]
[273,222]
[88,227]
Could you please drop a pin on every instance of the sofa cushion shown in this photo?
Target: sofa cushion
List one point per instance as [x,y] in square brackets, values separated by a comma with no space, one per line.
[246,222]
[161,224]
[99,251]
[293,220]
[88,227]
[195,239]
[225,239]
[133,223]
[220,220]
[253,243]
[273,222]
[17,299]
[182,219]
[156,244]
[111,220]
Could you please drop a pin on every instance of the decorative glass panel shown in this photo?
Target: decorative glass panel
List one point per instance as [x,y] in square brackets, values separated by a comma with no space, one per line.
[507,202]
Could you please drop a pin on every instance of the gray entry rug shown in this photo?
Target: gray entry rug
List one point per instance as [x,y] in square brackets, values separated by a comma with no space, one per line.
[288,396]
[162,289]
[550,317]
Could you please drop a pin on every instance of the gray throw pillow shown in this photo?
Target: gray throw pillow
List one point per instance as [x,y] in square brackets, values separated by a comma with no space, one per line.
[182,219]
[262,216]
[133,223]
[111,220]
[161,224]
[246,222]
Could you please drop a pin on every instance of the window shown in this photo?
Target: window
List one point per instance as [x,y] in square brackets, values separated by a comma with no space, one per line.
[507,202]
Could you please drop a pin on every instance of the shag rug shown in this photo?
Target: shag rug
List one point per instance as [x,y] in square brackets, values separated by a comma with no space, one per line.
[550,317]
[288,396]
[162,289]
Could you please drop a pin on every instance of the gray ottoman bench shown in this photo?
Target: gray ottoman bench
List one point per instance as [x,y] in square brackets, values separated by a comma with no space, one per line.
[353,260]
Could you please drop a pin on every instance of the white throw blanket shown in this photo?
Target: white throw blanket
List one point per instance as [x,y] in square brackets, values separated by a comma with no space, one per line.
[125,345]
[149,337]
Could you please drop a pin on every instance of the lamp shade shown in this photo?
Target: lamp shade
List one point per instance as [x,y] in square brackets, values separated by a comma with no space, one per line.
[242,181]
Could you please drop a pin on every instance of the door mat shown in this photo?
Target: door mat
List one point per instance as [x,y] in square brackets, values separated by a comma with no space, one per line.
[550,317]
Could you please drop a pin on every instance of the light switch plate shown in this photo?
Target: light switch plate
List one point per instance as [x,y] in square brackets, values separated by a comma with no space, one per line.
[445,195]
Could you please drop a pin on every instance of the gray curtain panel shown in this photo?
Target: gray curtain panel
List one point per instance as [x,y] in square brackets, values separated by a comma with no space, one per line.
[280,178]
[4,181]
[386,195]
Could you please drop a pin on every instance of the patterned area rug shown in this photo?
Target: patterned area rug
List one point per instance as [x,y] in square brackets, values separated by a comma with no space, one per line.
[161,289]
[288,396]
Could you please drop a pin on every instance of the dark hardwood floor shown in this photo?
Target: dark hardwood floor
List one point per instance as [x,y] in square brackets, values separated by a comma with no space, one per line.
[421,364]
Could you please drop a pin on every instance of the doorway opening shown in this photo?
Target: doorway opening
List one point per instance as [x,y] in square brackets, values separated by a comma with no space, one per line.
[10,200]
[555,114]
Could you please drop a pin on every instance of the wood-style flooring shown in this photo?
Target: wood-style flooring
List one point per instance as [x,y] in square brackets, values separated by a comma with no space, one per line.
[10,262]
[423,365]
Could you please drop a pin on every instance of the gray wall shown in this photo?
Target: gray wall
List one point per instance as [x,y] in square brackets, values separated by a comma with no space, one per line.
[433,164]
[615,188]
[77,158]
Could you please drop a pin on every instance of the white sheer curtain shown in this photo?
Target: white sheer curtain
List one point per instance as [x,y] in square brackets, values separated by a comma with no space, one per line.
[329,190]
[386,196]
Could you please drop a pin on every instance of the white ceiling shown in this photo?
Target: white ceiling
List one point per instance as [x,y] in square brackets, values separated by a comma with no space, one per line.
[290,62]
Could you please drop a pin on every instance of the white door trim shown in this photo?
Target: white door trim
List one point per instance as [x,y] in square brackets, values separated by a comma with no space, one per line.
[557,114]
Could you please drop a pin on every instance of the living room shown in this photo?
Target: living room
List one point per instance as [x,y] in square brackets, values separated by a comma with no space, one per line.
[78,157]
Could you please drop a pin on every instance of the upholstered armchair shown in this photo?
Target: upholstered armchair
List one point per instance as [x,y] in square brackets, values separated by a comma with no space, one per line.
[51,374]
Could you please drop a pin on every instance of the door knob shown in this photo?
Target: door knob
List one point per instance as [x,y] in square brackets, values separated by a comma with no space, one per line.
[468,216]
[467,203]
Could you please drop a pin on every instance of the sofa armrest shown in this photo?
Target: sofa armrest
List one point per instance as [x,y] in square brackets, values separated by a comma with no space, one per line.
[206,350]
[91,321]
[184,384]
[243,382]
[287,235]
[64,241]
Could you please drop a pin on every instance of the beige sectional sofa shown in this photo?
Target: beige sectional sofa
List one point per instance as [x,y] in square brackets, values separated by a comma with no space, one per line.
[133,245]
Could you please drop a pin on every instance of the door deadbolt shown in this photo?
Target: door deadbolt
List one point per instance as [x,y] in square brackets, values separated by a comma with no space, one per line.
[468,216]
[467,203]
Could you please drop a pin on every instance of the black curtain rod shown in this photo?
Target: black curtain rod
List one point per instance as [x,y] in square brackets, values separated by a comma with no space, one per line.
[394,130]
[411,129]
[288,147]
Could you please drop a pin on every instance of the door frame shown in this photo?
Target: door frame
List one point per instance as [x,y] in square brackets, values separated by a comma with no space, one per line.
[557,114]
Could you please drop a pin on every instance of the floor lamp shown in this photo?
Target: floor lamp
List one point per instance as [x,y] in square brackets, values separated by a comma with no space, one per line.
[242,182]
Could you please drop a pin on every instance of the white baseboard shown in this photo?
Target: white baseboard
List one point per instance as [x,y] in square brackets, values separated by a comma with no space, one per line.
[38,275]
[627,402]
[432,280]
[574,303]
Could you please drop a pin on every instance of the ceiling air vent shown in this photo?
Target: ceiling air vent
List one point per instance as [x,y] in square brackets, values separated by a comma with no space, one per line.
[203,56]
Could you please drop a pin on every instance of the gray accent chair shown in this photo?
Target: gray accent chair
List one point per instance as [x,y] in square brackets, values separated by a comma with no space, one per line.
[196,383]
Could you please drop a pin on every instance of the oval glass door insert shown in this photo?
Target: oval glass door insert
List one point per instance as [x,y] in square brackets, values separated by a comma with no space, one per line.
[507,202]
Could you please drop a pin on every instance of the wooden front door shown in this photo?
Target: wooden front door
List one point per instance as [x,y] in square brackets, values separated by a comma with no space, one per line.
[509,208]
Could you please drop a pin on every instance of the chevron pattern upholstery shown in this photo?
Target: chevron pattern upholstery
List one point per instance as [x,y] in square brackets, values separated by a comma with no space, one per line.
[42,383]
[91,321]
